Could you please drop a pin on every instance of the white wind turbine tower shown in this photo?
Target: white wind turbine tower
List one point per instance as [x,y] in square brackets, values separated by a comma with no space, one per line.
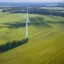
[27,21]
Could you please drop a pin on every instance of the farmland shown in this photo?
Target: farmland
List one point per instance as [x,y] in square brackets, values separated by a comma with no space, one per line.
[46,38]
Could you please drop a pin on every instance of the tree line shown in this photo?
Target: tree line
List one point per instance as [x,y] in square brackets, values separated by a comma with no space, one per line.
[11,45]
[34,10]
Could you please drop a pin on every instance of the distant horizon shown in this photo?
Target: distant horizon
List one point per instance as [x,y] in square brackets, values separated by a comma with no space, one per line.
[31,1]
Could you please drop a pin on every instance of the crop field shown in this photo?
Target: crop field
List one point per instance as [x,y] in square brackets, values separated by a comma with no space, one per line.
[53,8]
[45,42]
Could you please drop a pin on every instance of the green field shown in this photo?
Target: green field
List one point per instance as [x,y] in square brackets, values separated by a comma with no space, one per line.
[53,8]
[46,39]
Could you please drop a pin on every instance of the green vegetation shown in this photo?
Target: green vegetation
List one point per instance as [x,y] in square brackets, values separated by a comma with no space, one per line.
[46,39]
[53,8]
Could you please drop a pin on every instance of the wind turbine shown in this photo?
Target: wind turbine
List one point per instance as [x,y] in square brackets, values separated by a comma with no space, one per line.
[27,21]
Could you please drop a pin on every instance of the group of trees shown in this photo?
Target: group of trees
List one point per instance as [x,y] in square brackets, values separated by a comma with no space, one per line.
[11,45]
[34,10]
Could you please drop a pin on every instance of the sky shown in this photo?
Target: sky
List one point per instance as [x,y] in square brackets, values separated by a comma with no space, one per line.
[31,0]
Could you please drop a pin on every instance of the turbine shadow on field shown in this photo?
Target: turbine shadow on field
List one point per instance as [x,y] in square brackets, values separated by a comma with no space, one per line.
[10,45]
[35,21]
[56,22]
[38,21]
[14,25]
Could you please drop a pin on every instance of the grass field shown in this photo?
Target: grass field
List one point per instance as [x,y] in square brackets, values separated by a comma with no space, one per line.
[53,8]
[46,39]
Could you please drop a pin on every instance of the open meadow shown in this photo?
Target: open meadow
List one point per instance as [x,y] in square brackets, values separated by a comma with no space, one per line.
[45,42]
